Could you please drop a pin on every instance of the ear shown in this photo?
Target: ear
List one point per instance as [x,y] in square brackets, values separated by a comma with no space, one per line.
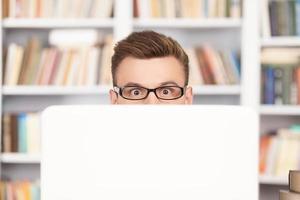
[113,97]
[189,95]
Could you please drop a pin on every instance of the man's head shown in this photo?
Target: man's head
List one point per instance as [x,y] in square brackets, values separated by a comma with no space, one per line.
[149,60]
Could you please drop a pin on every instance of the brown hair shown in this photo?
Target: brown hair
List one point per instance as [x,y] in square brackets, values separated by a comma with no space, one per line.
[145,45]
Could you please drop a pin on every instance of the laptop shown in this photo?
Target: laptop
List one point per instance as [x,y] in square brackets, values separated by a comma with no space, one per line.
[116,152]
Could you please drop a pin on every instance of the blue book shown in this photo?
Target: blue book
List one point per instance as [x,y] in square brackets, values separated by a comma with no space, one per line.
[236,61]
[35,192]
[270,86]
[22,133]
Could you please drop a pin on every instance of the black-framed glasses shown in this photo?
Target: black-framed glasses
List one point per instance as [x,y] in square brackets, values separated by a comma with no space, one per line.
[140,93]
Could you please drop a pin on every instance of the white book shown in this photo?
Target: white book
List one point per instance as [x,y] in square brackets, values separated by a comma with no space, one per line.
[265,25]
[105,69]
[212,8]
[61,69]
[81,77]
[144,8]
[170,9]
[84,11]
[94,55]
[33,133]
[74,63]
[17,66]
[10,58]
[12,8]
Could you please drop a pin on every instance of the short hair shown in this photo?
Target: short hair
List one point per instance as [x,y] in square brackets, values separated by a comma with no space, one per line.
[146,45]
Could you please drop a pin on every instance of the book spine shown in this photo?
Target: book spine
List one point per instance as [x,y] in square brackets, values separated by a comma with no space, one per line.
[22,133]
[278,86]
[269,86]
[273,18]
[287,81]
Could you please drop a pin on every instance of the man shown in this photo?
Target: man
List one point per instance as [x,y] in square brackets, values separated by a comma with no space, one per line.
[150,68]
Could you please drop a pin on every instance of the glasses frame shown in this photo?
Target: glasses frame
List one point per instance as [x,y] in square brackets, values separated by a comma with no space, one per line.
[119,90]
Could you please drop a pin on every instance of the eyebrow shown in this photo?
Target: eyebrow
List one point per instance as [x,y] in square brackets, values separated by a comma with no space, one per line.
[161,84]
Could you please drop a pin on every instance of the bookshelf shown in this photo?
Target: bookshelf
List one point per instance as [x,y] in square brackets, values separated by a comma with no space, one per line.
[277,116]
[240,34]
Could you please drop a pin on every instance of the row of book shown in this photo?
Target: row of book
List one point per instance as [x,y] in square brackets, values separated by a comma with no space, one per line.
[280,151]
[20,190]
[280,77]
[280,85]
[58,9]
[187,8]
[21,133]
[210,66]
[66,62]
[281,18]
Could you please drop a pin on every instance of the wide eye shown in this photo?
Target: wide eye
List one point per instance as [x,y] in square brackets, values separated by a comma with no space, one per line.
[135,92]
[166,91]
[169,92]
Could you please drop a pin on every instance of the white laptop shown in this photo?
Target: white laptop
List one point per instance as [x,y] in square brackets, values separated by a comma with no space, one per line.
[149,152]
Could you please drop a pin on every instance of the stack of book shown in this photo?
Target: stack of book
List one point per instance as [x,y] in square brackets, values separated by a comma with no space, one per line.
[281,18]
[74,58]
[280,152]
[294,187]
[212,67]
[21,133]
[280,77]
[58,9]
[187,8]
[20,190]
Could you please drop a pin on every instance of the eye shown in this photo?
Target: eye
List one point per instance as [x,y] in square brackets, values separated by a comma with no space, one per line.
[135,92]
[166,91]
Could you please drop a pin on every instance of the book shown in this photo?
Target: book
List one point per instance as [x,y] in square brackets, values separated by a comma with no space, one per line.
[280,84]
[265,142]
[195,72]
[18,190]
[21,133]
[76,61]
[58,9]
[280,152]
[282,19]
[191,9]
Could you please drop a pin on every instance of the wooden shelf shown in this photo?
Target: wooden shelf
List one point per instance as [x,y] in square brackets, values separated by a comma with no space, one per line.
[57,23]
[187,23]
[290,41]
[103,90]
[280,110]
[272,180]
[20,158]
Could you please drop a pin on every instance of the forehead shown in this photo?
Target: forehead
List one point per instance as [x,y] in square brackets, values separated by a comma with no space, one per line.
[150,72]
